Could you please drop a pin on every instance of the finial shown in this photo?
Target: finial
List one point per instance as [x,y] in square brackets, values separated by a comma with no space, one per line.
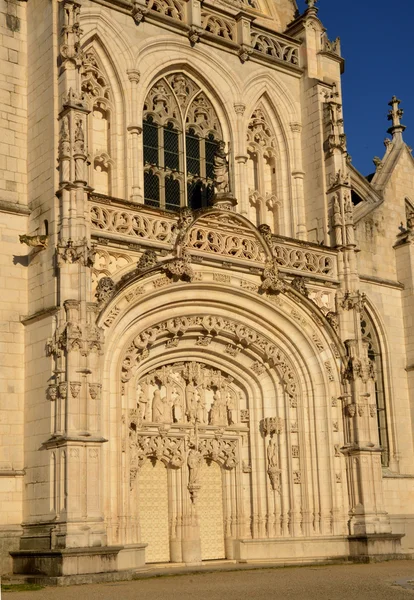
[312,5]
[394,115]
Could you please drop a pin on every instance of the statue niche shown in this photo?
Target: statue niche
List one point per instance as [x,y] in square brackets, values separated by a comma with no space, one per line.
[187,393]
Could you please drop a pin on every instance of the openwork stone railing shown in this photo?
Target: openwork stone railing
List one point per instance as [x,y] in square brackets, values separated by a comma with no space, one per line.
[124,222]
[210,234]
[292,257]
[227,24]
[274,47]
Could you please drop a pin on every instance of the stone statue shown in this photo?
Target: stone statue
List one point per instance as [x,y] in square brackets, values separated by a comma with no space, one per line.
[167,411]
[221,170]
[201,406]
[157,407]
[218,415]
[194,462]
[272,459]
[231,406]
[143,403]
[190,393]
[177,404]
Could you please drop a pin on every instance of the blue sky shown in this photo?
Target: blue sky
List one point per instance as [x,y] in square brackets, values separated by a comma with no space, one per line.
[377,43]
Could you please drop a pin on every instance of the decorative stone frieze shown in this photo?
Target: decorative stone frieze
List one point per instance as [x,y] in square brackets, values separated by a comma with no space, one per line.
[71,252]
[271,425]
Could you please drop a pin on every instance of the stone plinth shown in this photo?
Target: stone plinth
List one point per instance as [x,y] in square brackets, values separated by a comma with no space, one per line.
[132,556]
[68,561]
[375,547]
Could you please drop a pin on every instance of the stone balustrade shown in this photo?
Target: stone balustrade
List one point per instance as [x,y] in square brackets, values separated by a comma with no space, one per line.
[121,221]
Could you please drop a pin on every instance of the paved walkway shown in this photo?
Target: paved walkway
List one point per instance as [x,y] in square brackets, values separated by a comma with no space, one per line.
[382,581]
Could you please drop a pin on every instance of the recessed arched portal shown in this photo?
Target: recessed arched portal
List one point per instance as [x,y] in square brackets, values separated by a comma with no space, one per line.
[248,391]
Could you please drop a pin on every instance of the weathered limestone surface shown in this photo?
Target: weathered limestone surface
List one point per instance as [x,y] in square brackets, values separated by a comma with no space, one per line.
[206,333]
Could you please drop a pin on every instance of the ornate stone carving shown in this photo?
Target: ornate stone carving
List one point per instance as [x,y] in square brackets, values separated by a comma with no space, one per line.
[271,425]
[273,469]
[95,390]
[169,450]
[221,170]
[52,392]
[244,336]
[194,462]
[104,290]
[180,268]
[218,25]
[271,282]
[71,252]
[298,284]
[329,370]
[70,47]
[275,47]
[221,451]
[147,260]
[132,223]
[353,300]
[138,12]
[34,241]
[244,52]
[244,415]
[297,477]
[194,34]
[332,319]
[306,260]
[75,387]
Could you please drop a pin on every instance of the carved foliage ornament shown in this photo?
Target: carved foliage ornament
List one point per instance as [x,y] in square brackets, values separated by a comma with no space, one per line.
[71,252]
[212,325]
[271,282]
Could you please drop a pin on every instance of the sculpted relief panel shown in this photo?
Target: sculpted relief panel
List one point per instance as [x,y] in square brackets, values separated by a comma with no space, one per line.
[186,393]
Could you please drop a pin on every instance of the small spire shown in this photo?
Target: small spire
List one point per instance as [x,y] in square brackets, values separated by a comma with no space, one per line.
[394,115]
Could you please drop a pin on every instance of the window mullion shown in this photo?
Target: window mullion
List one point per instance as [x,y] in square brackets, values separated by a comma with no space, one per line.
[183,160]
[203,158]
[161,164]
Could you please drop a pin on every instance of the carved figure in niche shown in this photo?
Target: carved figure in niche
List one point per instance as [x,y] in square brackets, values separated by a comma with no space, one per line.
[157,407]
[218,414]
[272,459]
[194,462]
[221,170]
[167,410]
[191,400]
[201,406]
[177,404]
[161,97]
[143,402]
[231,406]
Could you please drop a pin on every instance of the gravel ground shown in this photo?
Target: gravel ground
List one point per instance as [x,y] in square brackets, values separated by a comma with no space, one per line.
[382,581]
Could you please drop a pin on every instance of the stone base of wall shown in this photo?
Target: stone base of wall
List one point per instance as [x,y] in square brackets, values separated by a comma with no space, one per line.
[9,541]
[69,561]
[404,524]
[362,548]
[375,547]
[132,556]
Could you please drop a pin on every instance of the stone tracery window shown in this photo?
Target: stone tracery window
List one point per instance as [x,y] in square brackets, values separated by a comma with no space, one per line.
[262,167]
[374,353]
[181,132]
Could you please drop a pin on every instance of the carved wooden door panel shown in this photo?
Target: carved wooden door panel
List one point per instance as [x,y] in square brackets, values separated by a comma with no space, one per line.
[210,511]
[153,510]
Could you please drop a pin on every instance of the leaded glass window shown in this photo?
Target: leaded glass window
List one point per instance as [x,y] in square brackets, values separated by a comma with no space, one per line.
[181,132]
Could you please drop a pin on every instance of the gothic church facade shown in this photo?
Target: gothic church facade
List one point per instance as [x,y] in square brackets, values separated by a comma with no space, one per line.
[206,334]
